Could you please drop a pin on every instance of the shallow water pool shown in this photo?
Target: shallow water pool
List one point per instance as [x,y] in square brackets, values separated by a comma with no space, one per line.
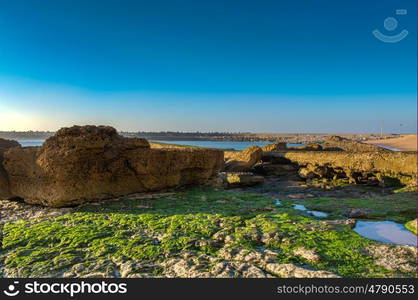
[386,232]
[315,213]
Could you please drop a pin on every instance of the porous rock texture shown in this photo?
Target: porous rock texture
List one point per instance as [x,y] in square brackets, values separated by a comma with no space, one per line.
[401,166]
[79,164]
[4,181]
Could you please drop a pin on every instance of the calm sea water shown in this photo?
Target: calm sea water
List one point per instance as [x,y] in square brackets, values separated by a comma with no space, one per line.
[208,144]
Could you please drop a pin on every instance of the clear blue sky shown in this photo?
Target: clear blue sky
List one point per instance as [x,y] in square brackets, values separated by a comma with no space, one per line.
[261,66]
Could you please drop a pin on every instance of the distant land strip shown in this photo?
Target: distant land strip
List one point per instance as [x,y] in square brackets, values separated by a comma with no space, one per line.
[217,136]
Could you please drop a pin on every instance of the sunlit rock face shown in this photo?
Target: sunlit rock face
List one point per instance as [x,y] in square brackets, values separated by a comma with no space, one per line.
[79,164]
[4,181]
[242,161]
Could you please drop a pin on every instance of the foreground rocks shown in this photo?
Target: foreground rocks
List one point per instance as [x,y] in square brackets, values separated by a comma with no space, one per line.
[79,164]
[389,168]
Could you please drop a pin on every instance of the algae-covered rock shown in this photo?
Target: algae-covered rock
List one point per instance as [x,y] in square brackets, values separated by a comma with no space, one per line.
[412,226]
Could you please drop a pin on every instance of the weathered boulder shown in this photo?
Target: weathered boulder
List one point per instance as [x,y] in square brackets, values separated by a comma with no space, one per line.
[337,142]
[237,179]
[244,160]
[79,164]
[274,147]
[4,181]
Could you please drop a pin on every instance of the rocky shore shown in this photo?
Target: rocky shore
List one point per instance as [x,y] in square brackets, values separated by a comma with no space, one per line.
[140,209]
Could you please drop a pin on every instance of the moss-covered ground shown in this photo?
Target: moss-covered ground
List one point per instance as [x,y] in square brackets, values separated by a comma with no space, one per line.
[156,229]
[399,207]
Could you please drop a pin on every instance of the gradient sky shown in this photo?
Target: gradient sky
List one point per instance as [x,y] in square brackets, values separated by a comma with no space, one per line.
[260,66]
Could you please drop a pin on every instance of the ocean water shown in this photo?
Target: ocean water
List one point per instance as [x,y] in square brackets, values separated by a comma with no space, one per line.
[31,143]
[207,144]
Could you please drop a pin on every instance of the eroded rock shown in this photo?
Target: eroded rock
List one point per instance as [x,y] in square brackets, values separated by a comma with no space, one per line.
[294,271]
[79,164]
[395,257]
[244,160]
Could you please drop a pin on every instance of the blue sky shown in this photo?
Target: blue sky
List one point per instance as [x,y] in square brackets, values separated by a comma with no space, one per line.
[260,66]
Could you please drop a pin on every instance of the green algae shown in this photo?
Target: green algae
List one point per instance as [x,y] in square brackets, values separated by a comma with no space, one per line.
[156,229]
[398,207]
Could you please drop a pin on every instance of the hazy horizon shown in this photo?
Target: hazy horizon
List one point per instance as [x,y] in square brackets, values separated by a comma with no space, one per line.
[261,67]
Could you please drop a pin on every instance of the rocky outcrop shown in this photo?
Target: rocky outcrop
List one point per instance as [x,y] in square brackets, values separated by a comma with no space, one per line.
[386,167]
[337,142]
[244,160]
[274,147]
[79,164]
[4,181]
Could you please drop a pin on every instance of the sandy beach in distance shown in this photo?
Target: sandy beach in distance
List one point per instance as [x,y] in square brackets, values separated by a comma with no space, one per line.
[404,143]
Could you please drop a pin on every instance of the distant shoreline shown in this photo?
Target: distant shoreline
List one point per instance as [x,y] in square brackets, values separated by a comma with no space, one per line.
[404,143]
[231,137]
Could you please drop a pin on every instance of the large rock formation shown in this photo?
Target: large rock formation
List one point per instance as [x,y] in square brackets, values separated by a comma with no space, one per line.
[385,165]
[337,142]
[241,161]
[4,181]
[78,164]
